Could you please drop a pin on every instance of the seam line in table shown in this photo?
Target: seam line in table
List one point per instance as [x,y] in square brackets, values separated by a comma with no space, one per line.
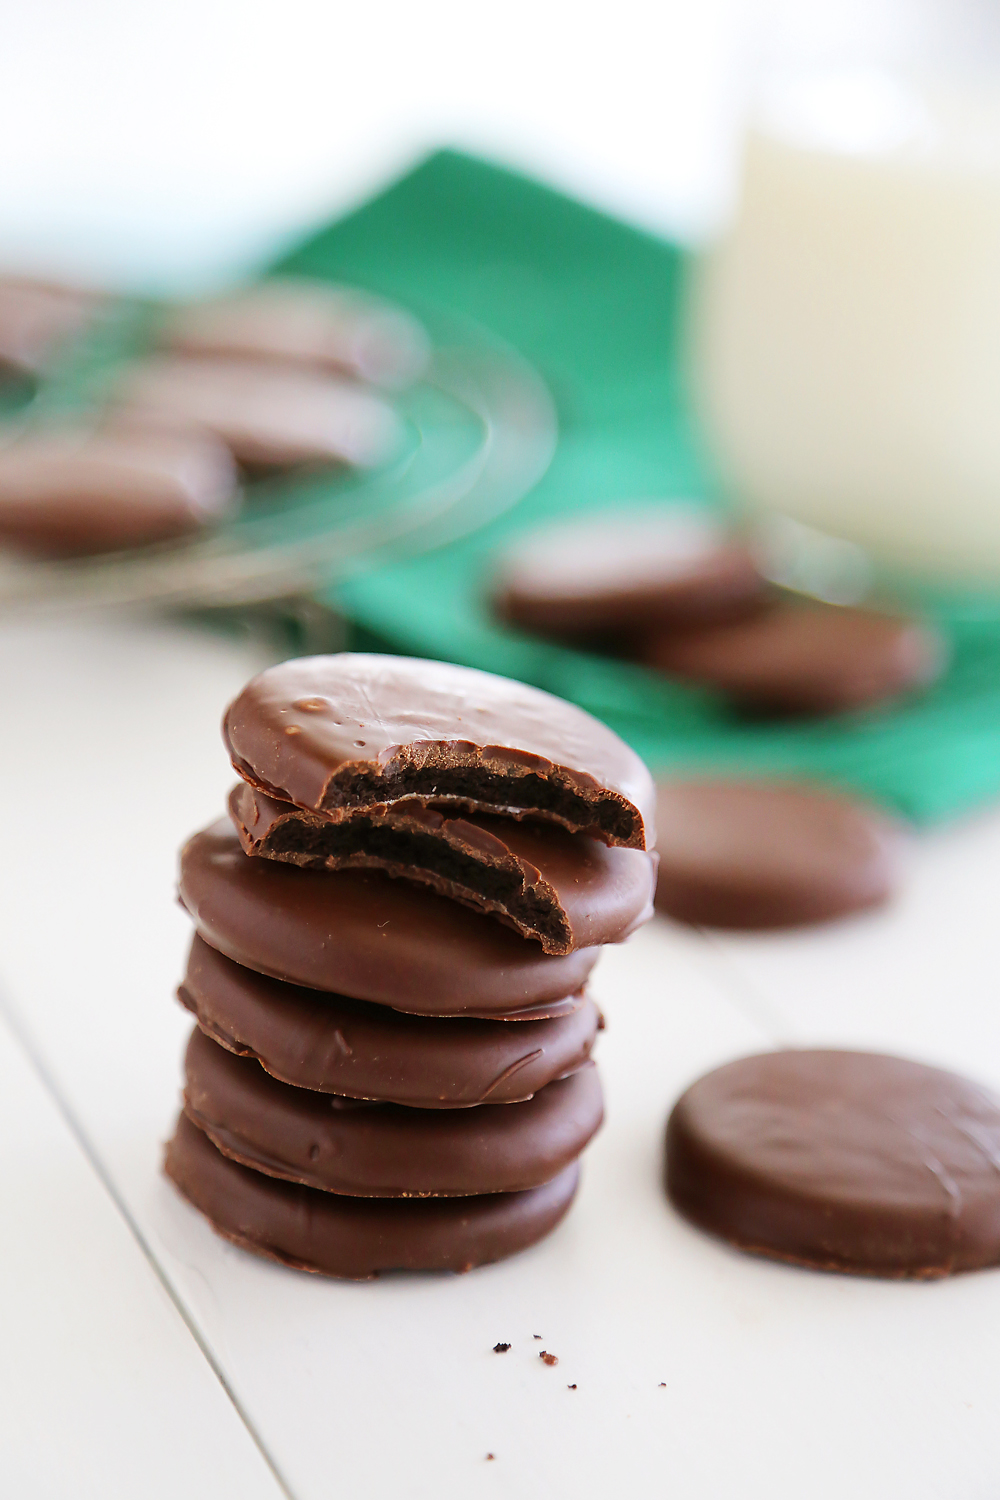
[741,991]
[25,1041]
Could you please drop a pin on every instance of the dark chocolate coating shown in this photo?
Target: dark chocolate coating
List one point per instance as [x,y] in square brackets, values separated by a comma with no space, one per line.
[77,493]
[308,323]
[804,658]
[386,1150]
[844,1161]
[564,889]
[268,415]
[340,1046]
[362,934]
[358,1237]
[770,854]
[623,571]
[352,732]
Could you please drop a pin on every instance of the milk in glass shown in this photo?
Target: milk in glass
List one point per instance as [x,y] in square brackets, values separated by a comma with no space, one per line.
[845,349]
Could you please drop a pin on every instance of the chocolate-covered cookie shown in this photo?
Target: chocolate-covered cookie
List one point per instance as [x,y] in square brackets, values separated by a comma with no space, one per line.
[305,322]
[758,854]
[362,934]
[352,732]
[339,1046]
[844,1161]
[625,570]
[803,658]
[564,889]
[386,1150]
[358,1237]
[269,416]
[76,493]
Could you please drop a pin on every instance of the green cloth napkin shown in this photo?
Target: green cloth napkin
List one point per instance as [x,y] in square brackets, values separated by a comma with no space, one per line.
[594,305]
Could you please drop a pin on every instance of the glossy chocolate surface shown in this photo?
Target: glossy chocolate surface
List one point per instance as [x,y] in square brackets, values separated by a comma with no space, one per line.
[625,570]
[95,492]
[358,1237]
[770,854]
[353,732]
[564,889]
[844,1161]
[305,322]
[269,416]
[347,1047]
[386,1150]
[362,934]
[804,658]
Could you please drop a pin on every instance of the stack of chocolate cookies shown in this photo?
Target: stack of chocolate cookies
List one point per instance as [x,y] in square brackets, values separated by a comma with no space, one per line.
[394,930]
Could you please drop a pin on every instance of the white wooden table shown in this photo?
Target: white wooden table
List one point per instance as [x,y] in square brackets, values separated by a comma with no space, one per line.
[142,1356]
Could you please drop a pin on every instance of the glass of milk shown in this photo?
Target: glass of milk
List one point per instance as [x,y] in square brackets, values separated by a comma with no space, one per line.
[845,330]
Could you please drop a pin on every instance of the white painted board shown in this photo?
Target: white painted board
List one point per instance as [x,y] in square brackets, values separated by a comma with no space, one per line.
[103,1390]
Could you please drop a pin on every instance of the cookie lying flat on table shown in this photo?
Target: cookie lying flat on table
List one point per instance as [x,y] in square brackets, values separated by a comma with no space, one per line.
[745,854]
[269,416]
[351,733]
[315,1040]
[360,933]
[386,1150]
[308,323]
[79,493]
[564,889]
[804,658]
[843,1161]
[359,1237]
[625,570]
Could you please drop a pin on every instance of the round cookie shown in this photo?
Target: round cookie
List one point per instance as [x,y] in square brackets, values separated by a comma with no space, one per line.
[564,889]
[386,1150]
[352,732]
[358,1237]
[363,934]
[77,493]
[746,854]
[843,1161]
[339,1046]
[269,416]
[804,658]
[308,323]
[625,570]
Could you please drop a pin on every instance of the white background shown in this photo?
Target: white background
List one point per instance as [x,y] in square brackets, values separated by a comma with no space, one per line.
[159,144]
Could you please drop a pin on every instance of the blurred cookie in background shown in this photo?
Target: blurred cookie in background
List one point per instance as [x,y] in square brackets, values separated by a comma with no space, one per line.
[270,416]
[306,323]
[803,658]
[634,569]
[75,493]
[758,854]
[37,320]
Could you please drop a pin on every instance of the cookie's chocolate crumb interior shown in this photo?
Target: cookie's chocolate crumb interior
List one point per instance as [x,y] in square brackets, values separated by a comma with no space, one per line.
[370,843]
[604,816]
